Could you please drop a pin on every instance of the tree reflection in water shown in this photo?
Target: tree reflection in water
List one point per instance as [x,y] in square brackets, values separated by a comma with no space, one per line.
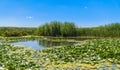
[47,43]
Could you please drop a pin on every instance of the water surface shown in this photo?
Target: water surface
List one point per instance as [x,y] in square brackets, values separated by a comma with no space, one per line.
[31,44]
[41,44]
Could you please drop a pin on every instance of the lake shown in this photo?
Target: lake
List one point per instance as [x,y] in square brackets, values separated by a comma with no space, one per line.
[41,44]
[47,42]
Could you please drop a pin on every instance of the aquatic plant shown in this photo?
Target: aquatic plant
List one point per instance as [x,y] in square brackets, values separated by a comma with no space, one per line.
[92,54]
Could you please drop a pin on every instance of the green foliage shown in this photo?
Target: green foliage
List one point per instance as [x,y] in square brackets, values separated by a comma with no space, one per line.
[110,30]
[97,51]
[16,31]
[93,51]
[57,29]
[65,29]
[69,29]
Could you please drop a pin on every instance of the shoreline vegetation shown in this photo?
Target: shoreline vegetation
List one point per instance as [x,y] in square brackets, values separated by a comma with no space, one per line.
[47,38]
[99,48]
[62,29]
[92,54]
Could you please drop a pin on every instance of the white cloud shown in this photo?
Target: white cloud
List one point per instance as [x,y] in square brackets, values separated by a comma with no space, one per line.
[29,17]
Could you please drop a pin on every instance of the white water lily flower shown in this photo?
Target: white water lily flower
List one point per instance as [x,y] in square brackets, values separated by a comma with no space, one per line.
[29,69]
[1,68]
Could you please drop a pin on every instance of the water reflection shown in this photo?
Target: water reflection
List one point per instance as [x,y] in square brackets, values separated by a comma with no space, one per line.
[46,43]
[32,44]
[41,44]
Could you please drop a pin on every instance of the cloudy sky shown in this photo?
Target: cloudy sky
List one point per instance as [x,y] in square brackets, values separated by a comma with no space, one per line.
[84,13]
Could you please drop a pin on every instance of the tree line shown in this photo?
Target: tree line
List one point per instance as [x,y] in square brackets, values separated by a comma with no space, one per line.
[70,29]
[110,30]
[63,29]
[57,29]
[16,31]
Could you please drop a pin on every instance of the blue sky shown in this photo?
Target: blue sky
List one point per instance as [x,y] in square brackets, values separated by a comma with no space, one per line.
[84,13]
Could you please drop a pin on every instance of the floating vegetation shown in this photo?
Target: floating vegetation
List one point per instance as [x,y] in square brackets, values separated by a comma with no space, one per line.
[97,54]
